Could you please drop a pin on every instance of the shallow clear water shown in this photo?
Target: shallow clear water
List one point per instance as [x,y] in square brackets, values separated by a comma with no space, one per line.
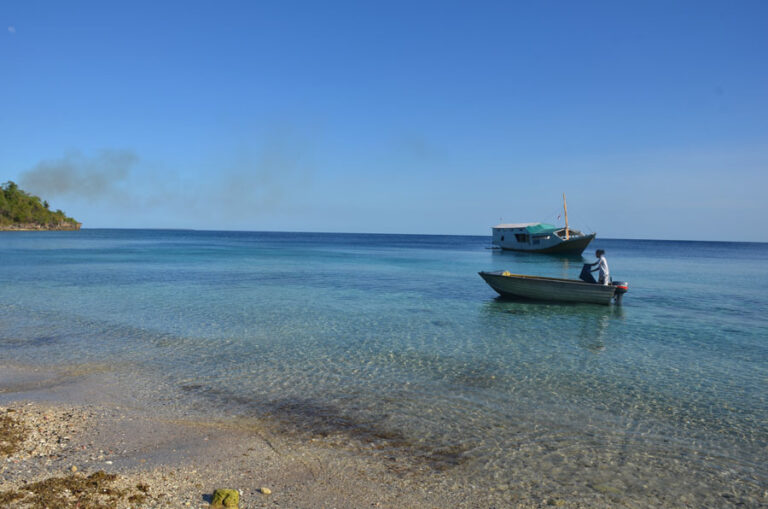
[394,343]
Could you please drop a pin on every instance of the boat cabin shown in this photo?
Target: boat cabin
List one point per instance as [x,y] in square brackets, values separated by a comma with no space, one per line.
[525,235]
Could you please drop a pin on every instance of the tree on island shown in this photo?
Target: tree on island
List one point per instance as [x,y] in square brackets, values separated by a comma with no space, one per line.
[20,210]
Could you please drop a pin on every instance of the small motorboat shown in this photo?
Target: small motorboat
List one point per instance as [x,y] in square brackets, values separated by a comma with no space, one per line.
[553,289]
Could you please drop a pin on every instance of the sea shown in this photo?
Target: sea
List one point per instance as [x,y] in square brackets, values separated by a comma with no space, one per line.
[393,347]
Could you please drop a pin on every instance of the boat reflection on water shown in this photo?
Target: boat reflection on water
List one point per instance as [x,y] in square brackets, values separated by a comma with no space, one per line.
[593,332]
[539,257]
[586,326]
[562,265]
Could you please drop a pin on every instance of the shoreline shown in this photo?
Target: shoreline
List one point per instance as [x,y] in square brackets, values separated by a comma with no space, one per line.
[180,463]
[181,460]
[183,452]
[41,229]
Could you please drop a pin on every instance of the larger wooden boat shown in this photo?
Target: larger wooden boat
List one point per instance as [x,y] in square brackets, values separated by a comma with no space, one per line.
[541,237]
[553,289]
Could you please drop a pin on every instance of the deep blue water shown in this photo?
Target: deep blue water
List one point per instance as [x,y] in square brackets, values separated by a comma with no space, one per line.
[395,338]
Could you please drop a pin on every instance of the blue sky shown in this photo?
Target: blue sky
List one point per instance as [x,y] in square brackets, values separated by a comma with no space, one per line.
[395,117]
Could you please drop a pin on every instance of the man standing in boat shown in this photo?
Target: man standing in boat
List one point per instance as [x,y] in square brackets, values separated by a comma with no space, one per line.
[604,277]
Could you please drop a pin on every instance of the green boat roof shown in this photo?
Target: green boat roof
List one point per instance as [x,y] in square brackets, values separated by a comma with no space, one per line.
[541,228]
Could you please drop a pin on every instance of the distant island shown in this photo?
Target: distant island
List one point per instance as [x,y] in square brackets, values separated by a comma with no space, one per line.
[20,210]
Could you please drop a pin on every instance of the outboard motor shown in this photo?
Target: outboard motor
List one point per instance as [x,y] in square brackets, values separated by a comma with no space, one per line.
[622,287]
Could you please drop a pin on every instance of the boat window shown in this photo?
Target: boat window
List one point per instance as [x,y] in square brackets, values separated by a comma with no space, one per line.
[502,237]
[522,237]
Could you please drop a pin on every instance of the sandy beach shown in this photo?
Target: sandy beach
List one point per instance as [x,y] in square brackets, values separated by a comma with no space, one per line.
[160,463]
[75,437]
[68,443]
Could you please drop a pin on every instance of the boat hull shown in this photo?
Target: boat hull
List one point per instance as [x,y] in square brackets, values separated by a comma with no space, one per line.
[548,289]
[573,246]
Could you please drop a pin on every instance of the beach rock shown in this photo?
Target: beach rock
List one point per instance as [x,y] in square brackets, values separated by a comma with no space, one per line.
[265,491]
[225,498]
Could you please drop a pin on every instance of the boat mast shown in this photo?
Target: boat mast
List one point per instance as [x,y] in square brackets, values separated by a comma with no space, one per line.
[565,209]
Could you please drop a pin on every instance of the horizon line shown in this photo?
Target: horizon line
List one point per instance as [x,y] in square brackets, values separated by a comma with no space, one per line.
[403,234]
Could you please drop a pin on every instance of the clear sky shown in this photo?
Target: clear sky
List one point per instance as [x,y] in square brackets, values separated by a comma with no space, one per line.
[387,116]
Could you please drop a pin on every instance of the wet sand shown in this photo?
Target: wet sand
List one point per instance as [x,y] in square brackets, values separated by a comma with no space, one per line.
[75,427]
[82,424]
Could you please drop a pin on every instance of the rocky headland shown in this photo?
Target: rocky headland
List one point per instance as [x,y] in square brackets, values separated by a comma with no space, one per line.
[22,211]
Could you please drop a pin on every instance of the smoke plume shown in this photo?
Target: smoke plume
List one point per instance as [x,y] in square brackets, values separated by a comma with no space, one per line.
[232,189]
[75,175]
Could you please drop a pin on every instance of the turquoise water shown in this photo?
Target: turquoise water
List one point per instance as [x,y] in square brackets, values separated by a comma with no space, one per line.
[394,346]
